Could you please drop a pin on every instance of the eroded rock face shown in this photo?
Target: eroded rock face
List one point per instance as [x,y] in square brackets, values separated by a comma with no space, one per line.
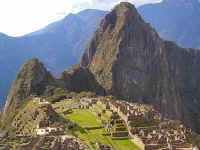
[133,63]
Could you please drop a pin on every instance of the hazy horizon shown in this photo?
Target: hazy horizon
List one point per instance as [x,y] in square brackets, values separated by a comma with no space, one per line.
[25,16]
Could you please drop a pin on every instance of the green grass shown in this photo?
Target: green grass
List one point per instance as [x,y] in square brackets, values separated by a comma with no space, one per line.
[98,106]
[126,145]
[94,109]
[105,116]
[84,118]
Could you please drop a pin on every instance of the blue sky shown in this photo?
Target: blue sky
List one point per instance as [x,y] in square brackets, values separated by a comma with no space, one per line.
[19,17]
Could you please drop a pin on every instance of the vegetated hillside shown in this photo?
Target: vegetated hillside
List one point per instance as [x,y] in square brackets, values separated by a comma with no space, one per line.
[79,80]
[27,79]
[33,80]
[176,20]
[29,116]
[130,60]
[58,46]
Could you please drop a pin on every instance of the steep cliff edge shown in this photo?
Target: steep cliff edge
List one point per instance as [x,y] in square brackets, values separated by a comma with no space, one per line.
[132,62]
[28,77]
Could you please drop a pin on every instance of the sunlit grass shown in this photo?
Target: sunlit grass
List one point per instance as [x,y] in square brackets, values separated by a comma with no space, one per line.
[83,119]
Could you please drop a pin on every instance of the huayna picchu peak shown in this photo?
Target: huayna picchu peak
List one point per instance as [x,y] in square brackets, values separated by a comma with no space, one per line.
[28,77]
[133,63]
[34,80]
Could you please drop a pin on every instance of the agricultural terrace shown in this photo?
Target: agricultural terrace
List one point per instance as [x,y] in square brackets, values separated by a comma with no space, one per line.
[89,130]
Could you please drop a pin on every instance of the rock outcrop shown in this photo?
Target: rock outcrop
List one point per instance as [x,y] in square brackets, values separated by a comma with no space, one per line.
[130,60]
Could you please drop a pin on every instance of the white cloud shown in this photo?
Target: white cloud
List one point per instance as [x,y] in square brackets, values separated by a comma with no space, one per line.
[19,17]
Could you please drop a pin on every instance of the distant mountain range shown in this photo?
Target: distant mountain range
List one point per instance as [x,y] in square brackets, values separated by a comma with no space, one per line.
[59,46]
[176,20]
[125,58]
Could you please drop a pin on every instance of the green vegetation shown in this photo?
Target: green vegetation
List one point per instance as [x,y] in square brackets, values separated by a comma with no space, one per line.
[83,118]
[85,94]
[98,106]
[105,116]
[55,94]
[79,80]
[85,130]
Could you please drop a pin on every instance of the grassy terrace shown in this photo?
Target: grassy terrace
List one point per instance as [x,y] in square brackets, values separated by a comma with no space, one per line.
[94,109]
[105,116]
[84,119]
[63,103]
[98,106]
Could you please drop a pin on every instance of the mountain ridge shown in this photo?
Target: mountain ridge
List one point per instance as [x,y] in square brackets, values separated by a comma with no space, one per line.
[33,80]
[133,63]
[178,20]
[29,75]
[57,50]
[130,61]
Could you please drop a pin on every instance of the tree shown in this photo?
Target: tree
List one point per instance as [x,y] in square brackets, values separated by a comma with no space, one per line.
[71,126]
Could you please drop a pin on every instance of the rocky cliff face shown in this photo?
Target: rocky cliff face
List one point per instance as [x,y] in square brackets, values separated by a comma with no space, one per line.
[30,74]
[133,63]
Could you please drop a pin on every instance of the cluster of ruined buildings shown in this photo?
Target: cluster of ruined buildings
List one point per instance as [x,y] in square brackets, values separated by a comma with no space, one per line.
[48,136]
[44,143]
[159,132]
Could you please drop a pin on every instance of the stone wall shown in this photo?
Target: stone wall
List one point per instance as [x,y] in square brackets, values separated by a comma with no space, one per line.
[58,132]
[55,144]
[119,134]
[119,128]
[118,121]
[6,147]
[153,147]
[18,137]
[138,141]
[31,144]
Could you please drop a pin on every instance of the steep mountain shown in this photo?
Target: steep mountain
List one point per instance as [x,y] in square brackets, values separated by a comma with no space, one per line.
[29,76]
[10,62]
[131,61]
[33,80]
[176,20]
[58,46]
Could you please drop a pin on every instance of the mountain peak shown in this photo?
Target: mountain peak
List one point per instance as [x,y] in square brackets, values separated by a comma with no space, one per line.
[125,5]
[119,32]
[112,27]
[29,75]
[132,62]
